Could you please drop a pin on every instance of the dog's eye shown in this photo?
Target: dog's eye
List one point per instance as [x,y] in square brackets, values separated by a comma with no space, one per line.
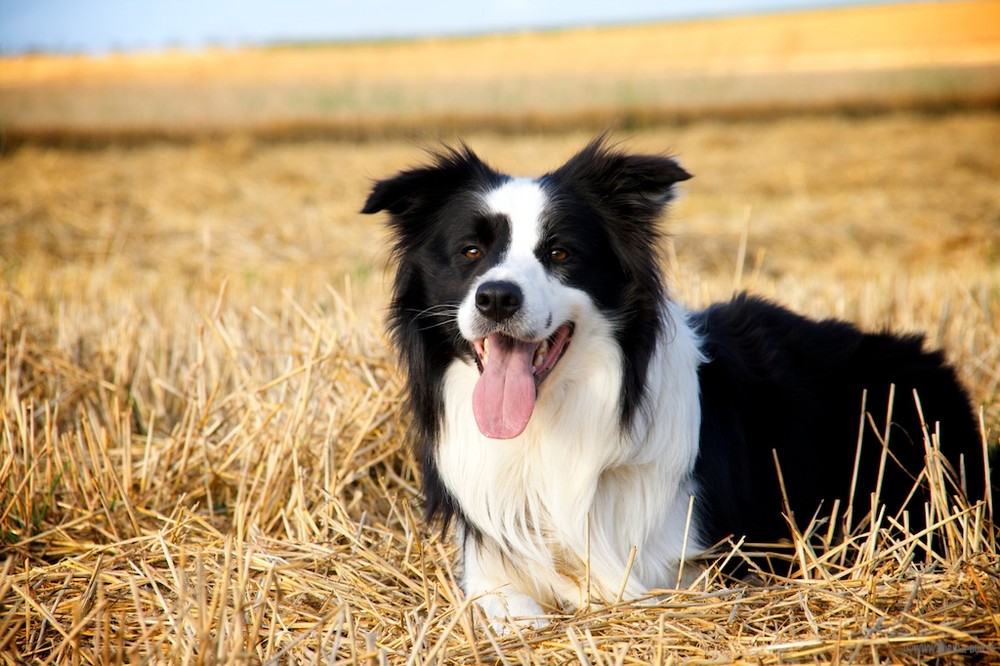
[558,255]
[472,252]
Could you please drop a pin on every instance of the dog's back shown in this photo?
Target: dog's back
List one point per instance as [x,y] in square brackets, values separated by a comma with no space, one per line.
[782,390]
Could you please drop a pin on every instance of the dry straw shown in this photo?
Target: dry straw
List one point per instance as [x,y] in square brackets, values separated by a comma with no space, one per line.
[201,453]
[274,521]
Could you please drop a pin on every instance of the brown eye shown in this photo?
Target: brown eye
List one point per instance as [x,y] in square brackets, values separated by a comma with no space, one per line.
[472,252]
[558,255]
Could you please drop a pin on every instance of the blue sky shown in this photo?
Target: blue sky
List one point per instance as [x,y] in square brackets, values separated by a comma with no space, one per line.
[101,26]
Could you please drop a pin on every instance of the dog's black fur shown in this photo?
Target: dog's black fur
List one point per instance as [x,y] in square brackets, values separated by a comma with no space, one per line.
[779,392]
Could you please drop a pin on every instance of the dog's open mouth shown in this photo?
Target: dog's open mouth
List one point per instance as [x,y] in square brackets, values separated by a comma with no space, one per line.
[510,372]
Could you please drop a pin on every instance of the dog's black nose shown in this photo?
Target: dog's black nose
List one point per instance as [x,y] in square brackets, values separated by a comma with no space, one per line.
[498,299]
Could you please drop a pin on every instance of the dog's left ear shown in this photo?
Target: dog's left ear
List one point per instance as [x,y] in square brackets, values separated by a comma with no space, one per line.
[636,187]
[651,177]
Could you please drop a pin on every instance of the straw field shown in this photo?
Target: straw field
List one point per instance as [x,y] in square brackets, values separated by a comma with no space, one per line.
[909,55]
[201,451]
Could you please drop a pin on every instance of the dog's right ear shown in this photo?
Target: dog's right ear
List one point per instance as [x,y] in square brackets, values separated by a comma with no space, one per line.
[414,190]
[397,194]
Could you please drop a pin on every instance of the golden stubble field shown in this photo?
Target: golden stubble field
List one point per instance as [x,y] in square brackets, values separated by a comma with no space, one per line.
[200,445]
[201,437]
[935,54]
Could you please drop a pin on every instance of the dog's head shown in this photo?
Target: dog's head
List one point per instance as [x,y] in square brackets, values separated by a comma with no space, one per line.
[498,271]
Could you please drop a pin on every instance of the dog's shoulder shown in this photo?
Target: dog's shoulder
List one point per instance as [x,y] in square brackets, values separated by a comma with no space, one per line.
[757,338]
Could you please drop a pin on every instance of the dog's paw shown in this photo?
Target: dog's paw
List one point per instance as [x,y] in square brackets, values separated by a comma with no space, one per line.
[510,611]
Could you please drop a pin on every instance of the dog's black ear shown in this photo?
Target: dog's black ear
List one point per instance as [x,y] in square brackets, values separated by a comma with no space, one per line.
[399,193]
[636,186]
[413,190]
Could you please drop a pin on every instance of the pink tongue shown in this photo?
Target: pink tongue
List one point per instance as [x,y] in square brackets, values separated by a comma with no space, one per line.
[505,393]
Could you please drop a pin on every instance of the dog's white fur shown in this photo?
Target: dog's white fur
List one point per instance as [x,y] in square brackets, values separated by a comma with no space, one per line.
[569,498]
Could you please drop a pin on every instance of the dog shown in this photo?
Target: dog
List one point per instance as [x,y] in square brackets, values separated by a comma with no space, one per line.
[584,433]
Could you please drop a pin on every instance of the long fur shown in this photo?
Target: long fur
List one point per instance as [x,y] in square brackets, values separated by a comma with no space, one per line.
[649,406]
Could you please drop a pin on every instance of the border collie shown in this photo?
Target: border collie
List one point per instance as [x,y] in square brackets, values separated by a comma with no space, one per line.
[576,424]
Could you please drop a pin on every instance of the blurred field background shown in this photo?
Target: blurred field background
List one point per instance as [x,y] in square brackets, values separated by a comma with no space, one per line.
[936,55]
[201,451]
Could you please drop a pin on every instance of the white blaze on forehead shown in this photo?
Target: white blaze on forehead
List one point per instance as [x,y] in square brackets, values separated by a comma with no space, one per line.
[522,201]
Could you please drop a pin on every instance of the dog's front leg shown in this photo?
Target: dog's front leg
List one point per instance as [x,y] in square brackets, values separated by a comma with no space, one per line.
[487,578]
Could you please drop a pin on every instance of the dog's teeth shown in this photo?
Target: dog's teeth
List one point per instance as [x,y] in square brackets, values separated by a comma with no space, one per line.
[540,353]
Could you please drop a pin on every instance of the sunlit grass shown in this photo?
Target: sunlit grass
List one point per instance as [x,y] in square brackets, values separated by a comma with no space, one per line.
[890,57]
[201,453]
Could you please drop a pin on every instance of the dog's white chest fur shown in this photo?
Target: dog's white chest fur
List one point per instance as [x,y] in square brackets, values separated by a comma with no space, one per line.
[560,508]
